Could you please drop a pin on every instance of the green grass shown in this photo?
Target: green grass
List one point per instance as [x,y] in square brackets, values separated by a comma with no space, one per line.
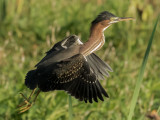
[141,73]
[29,28]
[158,111]
[70,108]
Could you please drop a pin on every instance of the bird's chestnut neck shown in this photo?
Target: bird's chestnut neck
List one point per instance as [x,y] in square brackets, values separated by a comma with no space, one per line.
[96,39]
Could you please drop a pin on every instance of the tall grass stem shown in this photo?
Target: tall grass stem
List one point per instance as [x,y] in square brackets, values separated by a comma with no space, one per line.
[141,73]
[70,108]
[158,111]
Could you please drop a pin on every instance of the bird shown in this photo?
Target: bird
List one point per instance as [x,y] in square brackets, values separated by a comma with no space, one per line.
[73,66]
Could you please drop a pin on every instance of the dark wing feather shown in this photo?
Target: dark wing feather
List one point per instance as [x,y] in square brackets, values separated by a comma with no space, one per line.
[80,80]
[90,93]
[95,93]
[95,68]
[100,62]
[98,66]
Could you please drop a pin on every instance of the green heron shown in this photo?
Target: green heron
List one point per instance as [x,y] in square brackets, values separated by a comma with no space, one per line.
[73,66]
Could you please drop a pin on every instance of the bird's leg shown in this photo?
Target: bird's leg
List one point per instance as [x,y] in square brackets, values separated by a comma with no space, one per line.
[27,104]
[35,98]
[26,100]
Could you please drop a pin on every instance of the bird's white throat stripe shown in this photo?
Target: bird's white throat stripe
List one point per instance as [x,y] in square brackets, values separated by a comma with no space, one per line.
[96,47]
[106,28]
[102,42]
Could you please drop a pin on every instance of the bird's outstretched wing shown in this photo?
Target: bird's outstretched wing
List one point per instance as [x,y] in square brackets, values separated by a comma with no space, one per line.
[73,75]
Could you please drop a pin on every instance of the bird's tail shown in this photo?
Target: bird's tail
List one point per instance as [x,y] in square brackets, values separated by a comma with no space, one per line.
[30,80]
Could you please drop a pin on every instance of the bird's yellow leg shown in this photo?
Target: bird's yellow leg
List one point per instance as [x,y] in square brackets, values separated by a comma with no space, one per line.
[36,96]
[26,100]
[27,104]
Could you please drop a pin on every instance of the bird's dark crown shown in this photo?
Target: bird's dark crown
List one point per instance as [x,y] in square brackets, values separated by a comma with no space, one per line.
[105,15]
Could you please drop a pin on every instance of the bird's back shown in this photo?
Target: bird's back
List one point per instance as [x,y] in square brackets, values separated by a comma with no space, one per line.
[62,50]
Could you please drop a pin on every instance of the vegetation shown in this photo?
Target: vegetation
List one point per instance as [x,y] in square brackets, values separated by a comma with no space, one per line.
[28,28]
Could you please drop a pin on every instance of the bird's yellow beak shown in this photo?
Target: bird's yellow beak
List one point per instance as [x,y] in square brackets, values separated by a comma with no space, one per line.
[118,19]
[125,18]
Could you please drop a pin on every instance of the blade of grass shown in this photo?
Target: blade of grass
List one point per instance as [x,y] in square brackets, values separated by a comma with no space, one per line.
[158,111]
[2,10]
[70,108]
[140,77]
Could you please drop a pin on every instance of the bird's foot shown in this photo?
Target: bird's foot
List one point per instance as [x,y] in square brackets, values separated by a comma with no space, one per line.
[26,105]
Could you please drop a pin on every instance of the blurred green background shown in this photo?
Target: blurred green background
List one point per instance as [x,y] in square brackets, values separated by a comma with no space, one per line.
[28,28]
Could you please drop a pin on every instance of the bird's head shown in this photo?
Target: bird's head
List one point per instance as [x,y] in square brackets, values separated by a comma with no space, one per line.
[106,19]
